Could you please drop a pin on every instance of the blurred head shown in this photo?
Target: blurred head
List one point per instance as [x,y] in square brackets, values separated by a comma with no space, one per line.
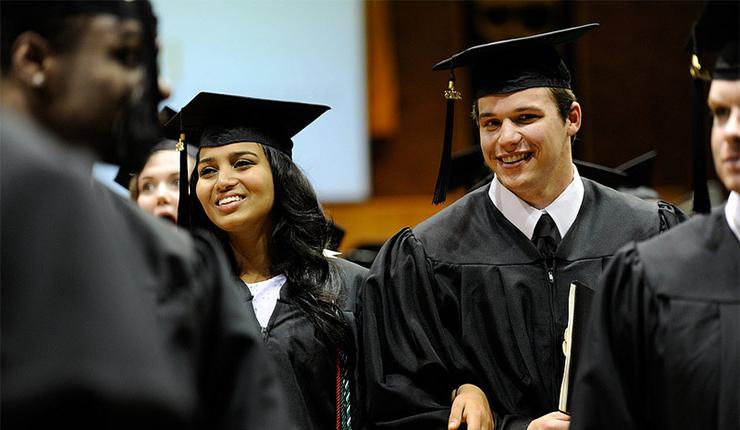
[156,188]
[84,70]
[724,103]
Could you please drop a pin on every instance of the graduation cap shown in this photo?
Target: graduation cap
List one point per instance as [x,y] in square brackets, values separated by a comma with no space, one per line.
[127,171]
[124,176]
[503,67]
[714,33]
[639,170]
[212,119]
[609,176]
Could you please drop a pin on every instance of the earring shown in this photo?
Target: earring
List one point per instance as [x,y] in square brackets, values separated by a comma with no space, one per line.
[38,79]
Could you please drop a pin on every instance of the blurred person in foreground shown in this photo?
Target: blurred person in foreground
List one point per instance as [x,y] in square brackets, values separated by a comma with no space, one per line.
[110,318]
[664,346]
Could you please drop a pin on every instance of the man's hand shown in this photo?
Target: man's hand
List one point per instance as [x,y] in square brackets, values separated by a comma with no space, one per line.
[470,406]
[551,421]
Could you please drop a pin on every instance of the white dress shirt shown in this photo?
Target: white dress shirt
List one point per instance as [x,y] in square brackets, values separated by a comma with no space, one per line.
[264,297]
[563,209]
[732,213]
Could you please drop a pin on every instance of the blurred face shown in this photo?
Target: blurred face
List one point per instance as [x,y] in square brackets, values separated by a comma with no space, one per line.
[527,144]
[724,102]
[235,187]
[89,85]
[158,184]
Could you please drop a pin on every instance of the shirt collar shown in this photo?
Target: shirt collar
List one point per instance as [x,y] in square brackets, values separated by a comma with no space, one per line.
[563,209]
[732,213]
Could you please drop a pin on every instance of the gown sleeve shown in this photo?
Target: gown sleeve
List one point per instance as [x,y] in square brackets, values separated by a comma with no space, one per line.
[608,391]
[410,356]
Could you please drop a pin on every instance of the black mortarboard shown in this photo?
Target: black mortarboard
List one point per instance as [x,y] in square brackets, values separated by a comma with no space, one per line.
[124,176]
[212,119]
[639,170]
[128,170]
[609,176]
[505,66]
[635,173]
[714,33]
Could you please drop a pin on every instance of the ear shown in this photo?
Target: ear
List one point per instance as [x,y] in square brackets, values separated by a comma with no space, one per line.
[573,123]
[30,60]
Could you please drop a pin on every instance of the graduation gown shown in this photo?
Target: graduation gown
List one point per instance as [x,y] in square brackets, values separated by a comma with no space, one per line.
[110,317]
[306,364]
[664,347]
[465,297]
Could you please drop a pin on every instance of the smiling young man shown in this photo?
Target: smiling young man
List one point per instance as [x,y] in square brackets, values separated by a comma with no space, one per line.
[473,301]
[110,318]
[664,347]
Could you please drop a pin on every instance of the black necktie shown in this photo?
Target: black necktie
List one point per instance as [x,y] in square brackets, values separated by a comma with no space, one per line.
[546,236]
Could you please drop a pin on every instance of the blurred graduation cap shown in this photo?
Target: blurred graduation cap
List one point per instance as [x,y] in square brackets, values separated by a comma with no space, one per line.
[213,119]
[127,172]
[713,34]
[468,170]
[503,67]
[124,176]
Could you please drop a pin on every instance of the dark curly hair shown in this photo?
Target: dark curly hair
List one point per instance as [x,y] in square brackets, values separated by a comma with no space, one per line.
[299,235]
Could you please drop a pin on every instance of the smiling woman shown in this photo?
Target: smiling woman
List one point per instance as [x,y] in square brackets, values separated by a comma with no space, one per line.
[247,190]
[235,186]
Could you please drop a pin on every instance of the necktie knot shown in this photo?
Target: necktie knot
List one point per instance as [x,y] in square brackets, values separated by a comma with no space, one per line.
[546,236]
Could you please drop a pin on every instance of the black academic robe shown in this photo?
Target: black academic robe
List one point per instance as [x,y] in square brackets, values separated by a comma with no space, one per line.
[306,363]
[110,317]
[465,297]
[664,346]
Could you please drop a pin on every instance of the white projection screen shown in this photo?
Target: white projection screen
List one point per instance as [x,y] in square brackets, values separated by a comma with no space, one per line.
[300,50]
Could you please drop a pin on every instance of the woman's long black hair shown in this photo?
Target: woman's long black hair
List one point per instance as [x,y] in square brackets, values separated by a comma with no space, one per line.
[299,235]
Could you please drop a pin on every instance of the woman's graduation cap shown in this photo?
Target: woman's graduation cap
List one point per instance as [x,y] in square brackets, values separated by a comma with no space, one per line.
[212,119]
[714,33]
[503,67]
